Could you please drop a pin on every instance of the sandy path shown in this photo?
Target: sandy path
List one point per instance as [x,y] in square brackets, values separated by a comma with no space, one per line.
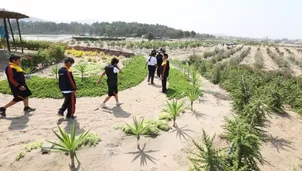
[269,64]
[111,154]
[250,59]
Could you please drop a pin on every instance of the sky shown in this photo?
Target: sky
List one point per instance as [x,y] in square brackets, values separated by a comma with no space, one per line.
[245,18]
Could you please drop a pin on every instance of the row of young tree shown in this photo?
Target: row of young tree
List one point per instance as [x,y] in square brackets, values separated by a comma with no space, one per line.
[114,29]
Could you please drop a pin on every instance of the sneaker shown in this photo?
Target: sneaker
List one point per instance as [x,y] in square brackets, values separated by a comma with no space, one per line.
[71,117]
[60,113]
[2,111]
[28,109]
[118,103]
[103,105]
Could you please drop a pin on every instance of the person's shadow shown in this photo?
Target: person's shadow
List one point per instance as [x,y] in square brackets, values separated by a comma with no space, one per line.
[117,111]
[18,123]
[69,125]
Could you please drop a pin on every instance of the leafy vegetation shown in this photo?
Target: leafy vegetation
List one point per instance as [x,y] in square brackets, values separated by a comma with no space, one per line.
[238,59]
[133,74]
[278,59]
[174,108]
[20,155]
[90,140]
[153,129]
[68,143]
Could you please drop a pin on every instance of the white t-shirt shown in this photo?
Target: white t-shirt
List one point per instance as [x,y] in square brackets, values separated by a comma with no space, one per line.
[116,70]
[152,60]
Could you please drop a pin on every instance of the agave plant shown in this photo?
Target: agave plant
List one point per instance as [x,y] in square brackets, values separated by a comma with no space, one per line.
[138,127]
[68,143]
[28,70]
[55,71]
[193,94]
[174,108]
[82,68]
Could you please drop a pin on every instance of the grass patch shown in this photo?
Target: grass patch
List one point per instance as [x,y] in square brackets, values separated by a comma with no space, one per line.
[133,74]
[178,84]
[165,116]
[153,129]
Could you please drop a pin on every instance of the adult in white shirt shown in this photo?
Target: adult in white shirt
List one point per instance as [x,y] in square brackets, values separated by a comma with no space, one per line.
[152,64]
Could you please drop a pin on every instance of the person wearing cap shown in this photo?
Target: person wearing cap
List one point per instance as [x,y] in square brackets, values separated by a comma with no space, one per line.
[159,58]
[152,64]
[16,79]
[68,88]
[165,73]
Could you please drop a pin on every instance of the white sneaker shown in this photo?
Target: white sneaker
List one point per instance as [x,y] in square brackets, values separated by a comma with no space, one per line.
[103,105]
[118,103]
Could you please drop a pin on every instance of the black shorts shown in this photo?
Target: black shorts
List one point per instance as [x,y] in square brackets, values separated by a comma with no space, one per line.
[20,95]
[112,90]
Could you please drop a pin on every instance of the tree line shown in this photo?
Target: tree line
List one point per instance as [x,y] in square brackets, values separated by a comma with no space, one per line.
[114,29]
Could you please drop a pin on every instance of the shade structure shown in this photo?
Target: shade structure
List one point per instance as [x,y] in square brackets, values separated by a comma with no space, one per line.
[6,16]
[11,15]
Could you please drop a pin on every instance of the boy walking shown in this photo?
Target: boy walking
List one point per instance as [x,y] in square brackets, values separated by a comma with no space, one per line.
[111,72]
[17,84]
[165,73]
[68,87]
[159,58]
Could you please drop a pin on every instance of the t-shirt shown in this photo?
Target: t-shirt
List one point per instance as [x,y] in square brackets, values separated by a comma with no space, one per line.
[111,73]
[159,58]
[152,61]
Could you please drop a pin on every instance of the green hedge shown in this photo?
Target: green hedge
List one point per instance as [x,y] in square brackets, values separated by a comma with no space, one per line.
[35,45]
[178,84]
[133,74]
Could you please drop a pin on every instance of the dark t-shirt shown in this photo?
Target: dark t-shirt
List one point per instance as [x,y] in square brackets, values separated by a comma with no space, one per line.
[159,58]
[111,76]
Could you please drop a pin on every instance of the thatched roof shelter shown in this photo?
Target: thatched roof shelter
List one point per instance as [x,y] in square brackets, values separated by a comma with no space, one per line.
[6,16]
[11,15]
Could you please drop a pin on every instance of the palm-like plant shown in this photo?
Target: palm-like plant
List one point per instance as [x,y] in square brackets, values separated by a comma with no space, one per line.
[68,143]
[55,71]
[138,127]
[193,94]
[174,108]
[82,68]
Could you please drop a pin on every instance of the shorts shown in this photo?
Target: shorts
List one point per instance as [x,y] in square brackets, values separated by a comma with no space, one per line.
[112,90]
[20,95]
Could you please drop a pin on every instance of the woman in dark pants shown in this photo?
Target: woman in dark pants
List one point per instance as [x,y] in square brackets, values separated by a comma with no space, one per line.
[152,62]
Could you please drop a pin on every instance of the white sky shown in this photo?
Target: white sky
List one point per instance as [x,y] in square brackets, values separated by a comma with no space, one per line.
[249,18]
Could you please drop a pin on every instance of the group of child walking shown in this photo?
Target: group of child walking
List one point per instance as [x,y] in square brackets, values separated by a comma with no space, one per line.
[158,61]
[67,85]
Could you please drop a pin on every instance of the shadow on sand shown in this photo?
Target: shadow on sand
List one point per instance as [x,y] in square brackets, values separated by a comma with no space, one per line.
[117,111]
[279,143]
[181,132]
[18,123]
[70,124]
[198,115]
[78,167]
[144,156]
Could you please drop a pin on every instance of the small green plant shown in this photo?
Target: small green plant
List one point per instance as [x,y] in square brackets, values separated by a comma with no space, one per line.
[137,129]
[82,68]
[259,62]
[55,71]
[174,108]
[90,140]
[28,70]
[165,116]
[68,143]
[193,95]
[20,155]
[34,145]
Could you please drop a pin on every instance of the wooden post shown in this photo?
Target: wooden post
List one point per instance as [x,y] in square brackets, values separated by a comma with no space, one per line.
[6,32]
[11,30]
[20,35]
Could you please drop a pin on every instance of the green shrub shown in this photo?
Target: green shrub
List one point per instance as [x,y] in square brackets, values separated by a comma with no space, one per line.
[165,116]
[133,74]
[20,155]
[33,146]
[259,62]
[90,140]
[153,127]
